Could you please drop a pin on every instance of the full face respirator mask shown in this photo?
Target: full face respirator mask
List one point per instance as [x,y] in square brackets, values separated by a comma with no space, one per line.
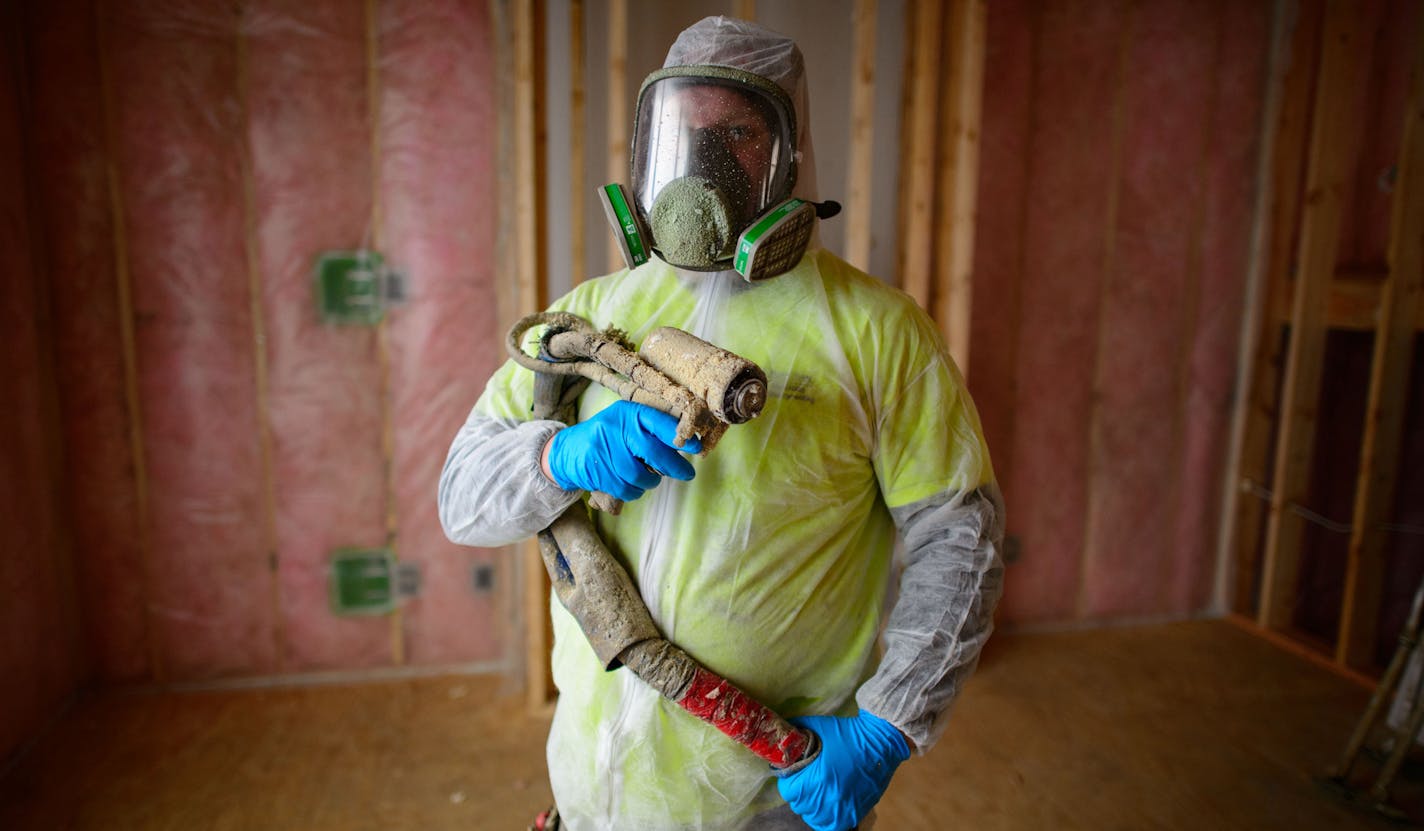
[713,166]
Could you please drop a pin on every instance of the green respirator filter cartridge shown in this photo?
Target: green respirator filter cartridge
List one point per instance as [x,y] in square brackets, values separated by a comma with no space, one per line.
[775,243]
[628,231]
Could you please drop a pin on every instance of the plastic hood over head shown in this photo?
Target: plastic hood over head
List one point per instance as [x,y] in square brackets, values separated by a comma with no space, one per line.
[740,44]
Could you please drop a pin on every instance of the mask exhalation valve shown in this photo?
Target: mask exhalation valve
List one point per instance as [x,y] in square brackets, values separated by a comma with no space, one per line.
[692,223]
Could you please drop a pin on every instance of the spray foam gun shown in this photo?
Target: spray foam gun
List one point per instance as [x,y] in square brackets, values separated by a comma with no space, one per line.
[706,389]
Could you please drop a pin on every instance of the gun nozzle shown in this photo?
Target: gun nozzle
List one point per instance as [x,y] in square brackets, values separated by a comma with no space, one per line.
[745,399]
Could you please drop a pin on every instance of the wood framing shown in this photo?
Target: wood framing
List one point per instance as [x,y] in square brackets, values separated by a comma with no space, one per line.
[515,591]
[1334,134]
[577,165]
[262,383]
[124,297]
[957,180]
[42,275]
[940,162]
[530,266]
[1283,139]
[529,161]
[906,142]
[1355,295]
[1389,388]
[617,106]
[383,351]
[860,178]
[917,172]
[506,256]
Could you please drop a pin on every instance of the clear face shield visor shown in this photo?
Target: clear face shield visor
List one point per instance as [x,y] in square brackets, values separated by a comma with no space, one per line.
[713,152]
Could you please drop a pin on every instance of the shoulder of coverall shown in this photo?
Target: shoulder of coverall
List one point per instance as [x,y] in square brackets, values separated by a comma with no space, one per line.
[867,311]
[905,374]
[890,342]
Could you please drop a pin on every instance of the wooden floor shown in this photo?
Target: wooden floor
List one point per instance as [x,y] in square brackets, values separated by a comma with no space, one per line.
[1186,726]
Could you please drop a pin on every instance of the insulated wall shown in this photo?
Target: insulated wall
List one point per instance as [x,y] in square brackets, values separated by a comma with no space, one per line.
[1116,200]
[190,162]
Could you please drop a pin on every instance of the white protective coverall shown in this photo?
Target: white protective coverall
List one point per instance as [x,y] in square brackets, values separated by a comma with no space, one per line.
[773,566]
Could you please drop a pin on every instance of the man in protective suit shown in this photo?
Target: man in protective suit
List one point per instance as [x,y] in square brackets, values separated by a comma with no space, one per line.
[770,560]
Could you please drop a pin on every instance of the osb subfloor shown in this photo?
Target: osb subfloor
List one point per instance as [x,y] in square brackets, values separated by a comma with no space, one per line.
[1184,726]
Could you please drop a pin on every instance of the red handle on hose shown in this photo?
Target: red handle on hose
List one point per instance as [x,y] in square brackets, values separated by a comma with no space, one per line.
[747,721]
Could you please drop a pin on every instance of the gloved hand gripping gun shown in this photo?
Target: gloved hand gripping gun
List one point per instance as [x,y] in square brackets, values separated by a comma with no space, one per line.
[706,389]
[703,387]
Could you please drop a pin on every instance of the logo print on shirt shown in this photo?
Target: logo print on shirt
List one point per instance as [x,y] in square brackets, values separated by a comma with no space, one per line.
[792,387]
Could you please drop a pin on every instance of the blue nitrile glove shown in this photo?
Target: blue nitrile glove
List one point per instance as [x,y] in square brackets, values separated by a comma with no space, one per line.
[840,786]
[623,450]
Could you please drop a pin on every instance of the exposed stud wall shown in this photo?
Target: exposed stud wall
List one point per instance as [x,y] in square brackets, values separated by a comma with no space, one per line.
[1331,285]
[1334,140]
[1404,565]
[1286,128]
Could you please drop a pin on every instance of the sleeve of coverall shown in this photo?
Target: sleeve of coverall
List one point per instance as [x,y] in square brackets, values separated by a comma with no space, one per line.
[952,579]
[936,476]
[492,491]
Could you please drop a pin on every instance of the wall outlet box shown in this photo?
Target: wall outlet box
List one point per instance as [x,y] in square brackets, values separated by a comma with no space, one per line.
[354,288]
[361,581]
[369,581]
[482,578]
[1013,549]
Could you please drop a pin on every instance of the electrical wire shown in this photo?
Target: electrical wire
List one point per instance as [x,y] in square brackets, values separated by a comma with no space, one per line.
[1257,490]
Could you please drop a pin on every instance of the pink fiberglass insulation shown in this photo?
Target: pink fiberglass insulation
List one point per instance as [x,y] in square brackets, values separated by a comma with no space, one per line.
[1075,77]
[308,132]
[1113,249]
[1148,307]
[39,647]
[1230,195]
[73,209]
[179,154]
[999,223]
[436,180]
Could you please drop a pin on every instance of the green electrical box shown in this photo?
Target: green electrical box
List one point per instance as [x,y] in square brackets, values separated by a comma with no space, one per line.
[354,288]
[369,581]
